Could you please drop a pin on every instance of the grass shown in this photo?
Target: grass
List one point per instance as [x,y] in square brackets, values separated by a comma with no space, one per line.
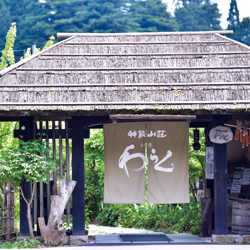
[25,243]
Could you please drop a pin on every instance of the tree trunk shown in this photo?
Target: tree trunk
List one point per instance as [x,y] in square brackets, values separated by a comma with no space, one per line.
[192,190]
[29,221]
[207,208]
[54,233]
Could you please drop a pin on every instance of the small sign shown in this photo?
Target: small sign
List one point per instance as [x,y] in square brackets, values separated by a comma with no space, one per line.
[220,135]
[230,202]
[200,194]
[210,163]
[246,177]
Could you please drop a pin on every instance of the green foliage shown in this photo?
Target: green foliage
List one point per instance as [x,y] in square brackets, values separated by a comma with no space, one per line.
[98,16]
[198,16]
[94,171]
[152,15]
[49,43]
[26,243]
[242,32]
[39,20]
[152,216]
[233,17]
[8,52]
[197,161]
[6,135]
[27,53]
[26,162]
[241,29]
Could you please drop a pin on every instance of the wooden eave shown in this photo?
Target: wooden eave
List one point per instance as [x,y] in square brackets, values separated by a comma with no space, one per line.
[166,73]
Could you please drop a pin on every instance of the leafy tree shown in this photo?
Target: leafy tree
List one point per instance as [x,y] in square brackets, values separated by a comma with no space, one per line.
[242,33]
[197,162]
[94,171]
[5,22]
[233,17]
[241,29]
[38,20]
[6,135]
[8,57]
[104,16]
[28,161]
[152,15]
[198,15]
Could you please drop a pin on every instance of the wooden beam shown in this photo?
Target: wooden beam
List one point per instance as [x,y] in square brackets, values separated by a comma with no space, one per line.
[18,132]
[127,103]
[152,117]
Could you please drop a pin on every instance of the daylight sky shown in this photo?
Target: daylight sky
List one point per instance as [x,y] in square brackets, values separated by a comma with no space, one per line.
[224,5]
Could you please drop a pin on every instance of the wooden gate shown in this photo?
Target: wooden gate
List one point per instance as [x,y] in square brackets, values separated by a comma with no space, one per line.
[58,134]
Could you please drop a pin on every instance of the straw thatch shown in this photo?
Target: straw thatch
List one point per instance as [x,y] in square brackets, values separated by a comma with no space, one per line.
[161,72]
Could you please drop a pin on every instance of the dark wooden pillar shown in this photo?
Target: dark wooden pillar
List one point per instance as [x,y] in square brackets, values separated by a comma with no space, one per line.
[25,128]
[78,175]
[220,181]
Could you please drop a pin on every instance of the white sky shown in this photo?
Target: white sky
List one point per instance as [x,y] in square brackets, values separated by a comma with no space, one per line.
[224,5]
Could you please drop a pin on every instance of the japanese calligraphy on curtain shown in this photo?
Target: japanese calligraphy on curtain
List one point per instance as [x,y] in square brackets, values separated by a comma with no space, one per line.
[167,162]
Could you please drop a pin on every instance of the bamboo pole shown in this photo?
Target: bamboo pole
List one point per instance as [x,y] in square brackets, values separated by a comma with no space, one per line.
[47,158]
[41,181]
[60,150]
[12,206]
[54,150]
[67,167]
[8,230]
[35,191]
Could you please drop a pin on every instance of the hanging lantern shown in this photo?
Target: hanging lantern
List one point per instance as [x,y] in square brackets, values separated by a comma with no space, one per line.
[196,145]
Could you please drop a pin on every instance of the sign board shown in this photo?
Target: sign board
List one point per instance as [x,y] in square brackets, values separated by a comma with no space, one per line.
[209,163]
[220,135]
[200,194]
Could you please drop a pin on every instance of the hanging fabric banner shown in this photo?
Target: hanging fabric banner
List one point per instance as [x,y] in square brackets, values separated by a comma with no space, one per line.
[167,150]
[124,148]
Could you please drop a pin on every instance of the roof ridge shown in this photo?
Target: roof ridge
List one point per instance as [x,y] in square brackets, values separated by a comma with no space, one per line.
[20,63]
[62,35]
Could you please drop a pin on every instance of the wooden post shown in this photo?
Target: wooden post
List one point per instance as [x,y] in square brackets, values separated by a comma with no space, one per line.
[220,181]
[78,175]
[25,124]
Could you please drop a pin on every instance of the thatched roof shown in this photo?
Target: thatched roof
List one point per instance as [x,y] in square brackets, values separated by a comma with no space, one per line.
[185,72]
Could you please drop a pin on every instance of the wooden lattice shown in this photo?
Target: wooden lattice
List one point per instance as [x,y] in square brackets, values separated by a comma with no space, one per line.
[7,212]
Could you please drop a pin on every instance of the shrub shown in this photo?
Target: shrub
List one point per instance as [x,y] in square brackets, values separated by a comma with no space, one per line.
[153,216]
